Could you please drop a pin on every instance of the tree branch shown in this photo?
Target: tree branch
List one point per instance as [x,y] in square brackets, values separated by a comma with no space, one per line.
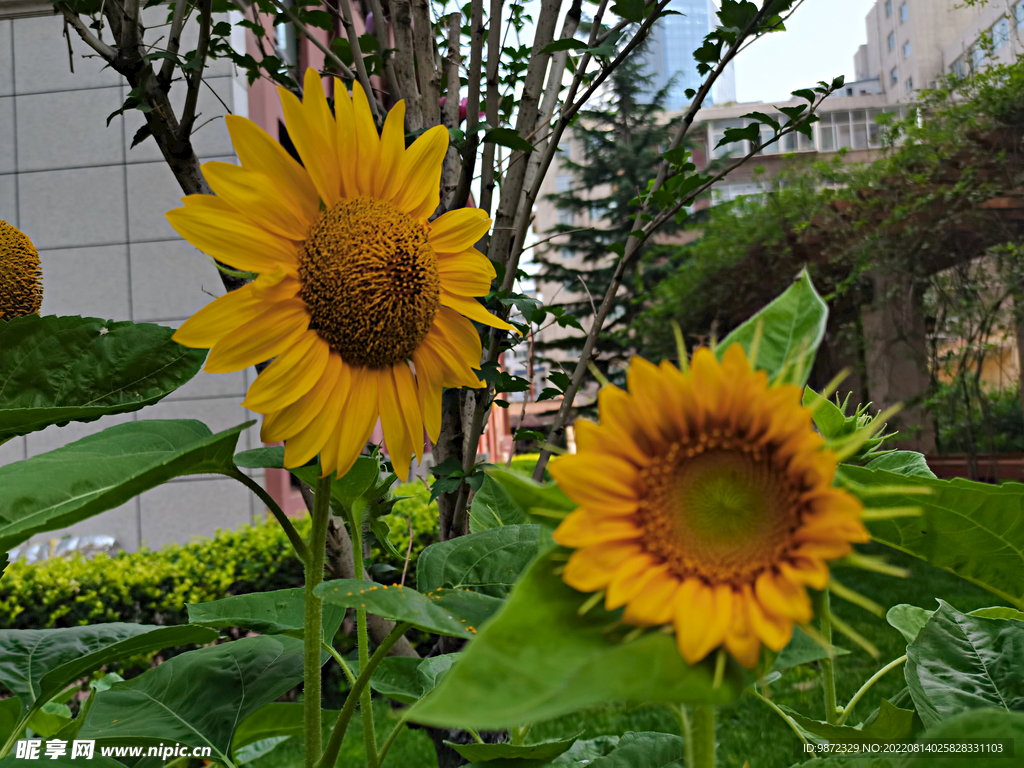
[357,57]
[405,63]
[188,113]
[386,53]
[493,98]
[476,46]
[343,70]
[426,62]
[105,51]
[173,44]
[450,118]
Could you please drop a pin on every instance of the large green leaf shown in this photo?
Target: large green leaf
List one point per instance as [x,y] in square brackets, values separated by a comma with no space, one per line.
[908,619]
[455,612]
[974,530]
[10,716]
[512,755]
[987,725]
[792,327]
[489,561]
[344,490]
[959,662]
[407,679]
[197,698]
[36,664]
[802,649]
[538,503]
[101,471]
[97,761]
[59,369]
[275,720]
[902,463]
[270,613]
[539,659]
[891,724]
[492,507]
[636,749]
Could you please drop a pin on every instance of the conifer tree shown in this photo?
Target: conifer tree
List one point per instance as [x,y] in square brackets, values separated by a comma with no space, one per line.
[619,144]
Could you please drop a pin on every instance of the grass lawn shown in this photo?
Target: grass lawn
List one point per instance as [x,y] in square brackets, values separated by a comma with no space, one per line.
[747,730]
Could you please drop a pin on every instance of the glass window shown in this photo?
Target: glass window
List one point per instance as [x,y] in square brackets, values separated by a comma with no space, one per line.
[977,56]
[565,217]
[563,182]
[841,121]
[895,74]
[568,253]
[826,135]
[718,133]
[910,84]
[906,50]
[892,41]
[959,67]
[903,12]
[1020,13]
[565,147]
[1000,33]
[888,8]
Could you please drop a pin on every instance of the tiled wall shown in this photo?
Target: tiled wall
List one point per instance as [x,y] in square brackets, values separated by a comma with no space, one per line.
[95,210]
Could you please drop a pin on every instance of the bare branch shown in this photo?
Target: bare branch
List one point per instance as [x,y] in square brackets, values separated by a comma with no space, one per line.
[429,74]
[343,70]
[405,63]
[384,45]
[493,98]
[450,117]
[72,18]
[188,113]
[357,57]
[173,43]
[476,47]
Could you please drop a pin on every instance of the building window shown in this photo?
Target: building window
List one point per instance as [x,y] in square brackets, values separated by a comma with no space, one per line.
[565,147]
[892,41]
[977,57]
[1020,13]
[565,217]
[888,8]
[895,74]
[903,12]
[910,84]
[906,50]
[563,182]
[1000,33]
[568,253]
[959,67]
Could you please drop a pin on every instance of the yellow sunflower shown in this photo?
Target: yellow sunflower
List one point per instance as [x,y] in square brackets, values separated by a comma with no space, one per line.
[706,501]
[362,301]
[21,278]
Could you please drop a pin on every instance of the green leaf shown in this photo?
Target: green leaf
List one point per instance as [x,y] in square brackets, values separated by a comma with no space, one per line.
[50,718]
[197,698]
[802,649]
[344,490]
[97,761]
[489,561]
[565,44]
[792,328]
[539,659]
[275,720]
[973,530]
[101,471]
[631,10]
[407,679]
[492,508]
[902,463]
[36,664]
[998,612]
[908,619]
[891,724]
[636,749]
[54,370]
[980,724]
[538,502]
[508,137]
[280,612]
[454,612]
[959,662]
[512,755]
[10,716]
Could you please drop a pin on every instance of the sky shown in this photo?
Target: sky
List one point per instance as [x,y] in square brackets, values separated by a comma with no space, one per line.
[818,44]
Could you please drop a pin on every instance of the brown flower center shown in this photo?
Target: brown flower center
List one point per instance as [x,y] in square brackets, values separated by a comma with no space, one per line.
[719,510]
[370,281]
[21,278]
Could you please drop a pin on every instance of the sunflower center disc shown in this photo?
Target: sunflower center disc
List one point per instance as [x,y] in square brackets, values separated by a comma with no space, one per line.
[370,281]
[21,288]
[721,515]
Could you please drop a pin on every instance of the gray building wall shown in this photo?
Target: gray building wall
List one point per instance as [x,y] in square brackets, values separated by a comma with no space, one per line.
[94,208]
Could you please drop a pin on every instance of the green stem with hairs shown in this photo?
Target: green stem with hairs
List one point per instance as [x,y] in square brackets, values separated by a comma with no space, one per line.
[363,641]
[828,673]
[702,730]
[313,627]
[871,681]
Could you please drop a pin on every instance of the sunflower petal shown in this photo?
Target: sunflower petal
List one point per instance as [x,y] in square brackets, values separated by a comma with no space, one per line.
[467,274]
[580,528]
[772,630]
[348,145]
[217,229]
[292,419]
[259,153]
[366,139]
[701,615]
[408,403]
[599,479]
[421,169]
[318,156]
[429,388]
[262,338]
[361,413]
[630,579]
[290,376]
[459,230]
[303,446]
[591,568]
[388,174]
[253,195]
[654,604]
[396,436]
[472,309]
[782,597]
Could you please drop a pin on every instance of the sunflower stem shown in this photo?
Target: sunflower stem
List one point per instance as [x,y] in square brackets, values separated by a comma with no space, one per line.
[365,702]
[871,681]
[313,629]
[702,729]
[686,729]
[828,664]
